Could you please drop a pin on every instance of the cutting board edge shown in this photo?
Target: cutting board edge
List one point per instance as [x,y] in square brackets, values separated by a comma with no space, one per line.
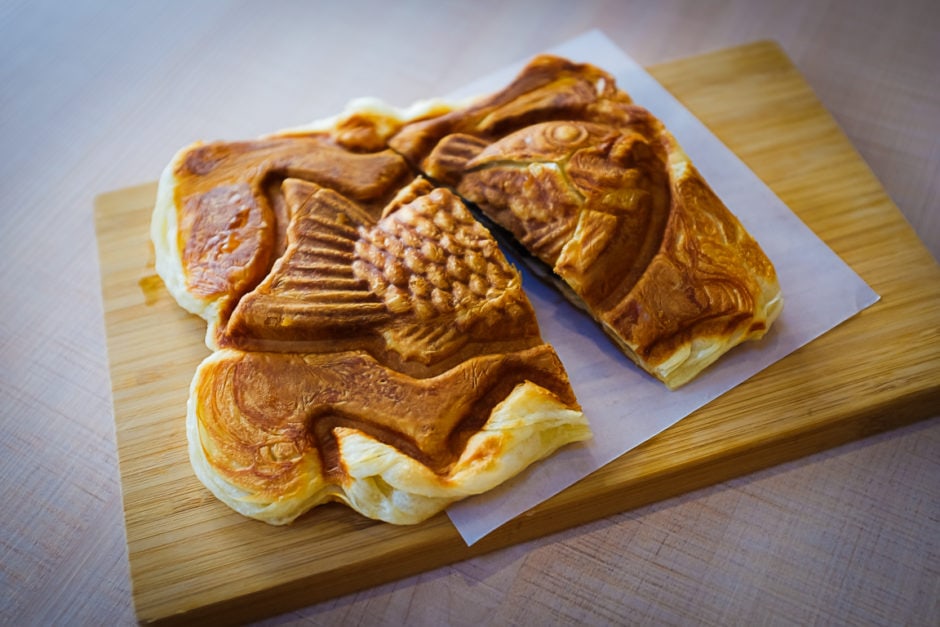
[554,517]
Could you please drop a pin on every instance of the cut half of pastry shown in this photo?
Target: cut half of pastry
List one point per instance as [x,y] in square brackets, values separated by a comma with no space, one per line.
[600,195]
[372,345]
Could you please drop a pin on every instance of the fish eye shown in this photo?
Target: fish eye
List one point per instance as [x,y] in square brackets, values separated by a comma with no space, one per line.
[566,133]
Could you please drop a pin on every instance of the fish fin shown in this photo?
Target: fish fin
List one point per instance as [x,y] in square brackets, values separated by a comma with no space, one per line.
[447,161]
[311,292]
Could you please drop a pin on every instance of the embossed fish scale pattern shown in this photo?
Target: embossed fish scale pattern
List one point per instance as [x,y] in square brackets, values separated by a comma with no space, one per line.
[432,262]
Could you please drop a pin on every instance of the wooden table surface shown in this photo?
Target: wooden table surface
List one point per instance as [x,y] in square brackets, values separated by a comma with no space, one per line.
[98,96]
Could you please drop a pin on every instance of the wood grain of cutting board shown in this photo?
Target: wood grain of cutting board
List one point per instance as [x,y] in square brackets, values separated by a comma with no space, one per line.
[192,557]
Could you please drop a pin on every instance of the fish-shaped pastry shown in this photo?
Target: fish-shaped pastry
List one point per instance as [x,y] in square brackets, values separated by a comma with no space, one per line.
[598,190]
[372,344]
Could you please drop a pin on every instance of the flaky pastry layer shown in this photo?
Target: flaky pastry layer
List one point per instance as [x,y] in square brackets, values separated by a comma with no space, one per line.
[266,465]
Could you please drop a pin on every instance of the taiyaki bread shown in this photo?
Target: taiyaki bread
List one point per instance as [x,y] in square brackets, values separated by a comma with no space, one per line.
[599,192]
[371,343]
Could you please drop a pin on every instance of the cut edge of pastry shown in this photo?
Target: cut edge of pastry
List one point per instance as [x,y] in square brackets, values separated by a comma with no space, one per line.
[385,484]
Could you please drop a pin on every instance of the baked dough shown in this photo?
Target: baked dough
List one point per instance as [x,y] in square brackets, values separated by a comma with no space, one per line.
[275,434]
[601,196]
[371,343]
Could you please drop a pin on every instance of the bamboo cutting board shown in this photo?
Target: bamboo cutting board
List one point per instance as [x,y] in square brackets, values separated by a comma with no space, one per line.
[191,557]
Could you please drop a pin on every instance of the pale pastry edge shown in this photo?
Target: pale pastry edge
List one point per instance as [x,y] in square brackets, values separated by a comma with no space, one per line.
[168,259]
[378,108]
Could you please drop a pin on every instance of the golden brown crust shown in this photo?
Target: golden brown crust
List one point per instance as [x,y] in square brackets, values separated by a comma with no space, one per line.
[274,434]
[598,190]
[265,415]
[374,346]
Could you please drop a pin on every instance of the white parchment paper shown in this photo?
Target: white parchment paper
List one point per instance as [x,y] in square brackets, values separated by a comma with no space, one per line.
[625,406]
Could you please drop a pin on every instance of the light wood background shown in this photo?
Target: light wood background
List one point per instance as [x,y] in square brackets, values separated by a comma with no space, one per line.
[97,96]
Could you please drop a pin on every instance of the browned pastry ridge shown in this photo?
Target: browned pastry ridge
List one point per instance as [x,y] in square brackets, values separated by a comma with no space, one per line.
[372,344]
[600,192]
